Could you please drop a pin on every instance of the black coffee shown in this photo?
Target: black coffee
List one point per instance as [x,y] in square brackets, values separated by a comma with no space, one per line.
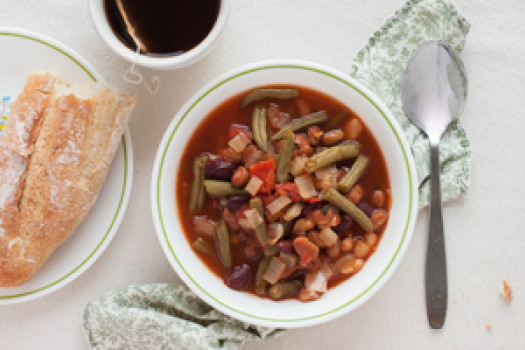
[162,27]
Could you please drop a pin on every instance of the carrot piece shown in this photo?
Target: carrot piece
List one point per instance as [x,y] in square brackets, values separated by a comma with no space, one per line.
[265,170]
[306,249]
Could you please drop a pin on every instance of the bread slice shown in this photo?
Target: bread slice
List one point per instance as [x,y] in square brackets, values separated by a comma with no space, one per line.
[55,176]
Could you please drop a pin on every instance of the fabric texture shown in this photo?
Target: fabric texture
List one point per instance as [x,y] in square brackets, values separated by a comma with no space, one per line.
[380,64]
[162,316]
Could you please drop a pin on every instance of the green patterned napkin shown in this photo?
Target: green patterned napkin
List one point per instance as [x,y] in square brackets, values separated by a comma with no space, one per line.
[163,316]
[160,316]
[380,65]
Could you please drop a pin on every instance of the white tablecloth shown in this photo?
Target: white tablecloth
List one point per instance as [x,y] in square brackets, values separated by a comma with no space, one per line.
[484,230]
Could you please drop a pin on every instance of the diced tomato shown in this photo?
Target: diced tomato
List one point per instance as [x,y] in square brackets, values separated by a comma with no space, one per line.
[289,189]
[312,200]
[265,170]
[236,129]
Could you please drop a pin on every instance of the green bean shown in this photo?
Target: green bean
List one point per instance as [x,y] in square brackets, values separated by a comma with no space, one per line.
[201,245]
[285,156]
[298,124]
[223,245]
[260,283]
[284,289]
[336,120]
[259,128]
[260,231]
[332,155]
[355,172]
[262,94]
[198,193]
[222,188]
[337,199]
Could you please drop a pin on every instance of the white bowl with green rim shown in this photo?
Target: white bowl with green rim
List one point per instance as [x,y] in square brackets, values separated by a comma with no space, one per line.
[92,237]
[338,300]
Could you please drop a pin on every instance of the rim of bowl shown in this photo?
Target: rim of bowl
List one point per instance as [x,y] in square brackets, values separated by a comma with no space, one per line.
[322,316]
[98,16]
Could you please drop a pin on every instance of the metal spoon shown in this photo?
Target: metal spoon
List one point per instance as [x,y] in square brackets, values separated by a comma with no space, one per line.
[434,92]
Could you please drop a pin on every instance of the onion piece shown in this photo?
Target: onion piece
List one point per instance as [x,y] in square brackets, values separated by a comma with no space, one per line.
[275,232]
[253,185]
[305,186]
[326,270]
[327,177]
[308,295]
[290,260]
[344,264]
[326,171]
[293,212]
[274,270]
[253,217]
[328,236]
[316,281]
[278,204]
[297,165]
[239,142]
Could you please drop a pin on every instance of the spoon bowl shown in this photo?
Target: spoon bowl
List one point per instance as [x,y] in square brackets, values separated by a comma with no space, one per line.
[434,89]
[434,92]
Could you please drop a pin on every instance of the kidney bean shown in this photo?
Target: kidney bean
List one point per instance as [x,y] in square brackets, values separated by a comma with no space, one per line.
[219,169]
[240,177]
[347,244]
[315,134]
[285,246]
[231,219]
[334,250]
[235,203]
[344,224]
[333,137]
[240,277]
[378,199]
[353,129]
[366,208]
[231,155]
[379,217]
[356,194]
[361,249]
[371,238]
[253,249]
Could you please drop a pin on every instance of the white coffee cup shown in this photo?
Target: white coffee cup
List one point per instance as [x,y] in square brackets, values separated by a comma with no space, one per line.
[98,15]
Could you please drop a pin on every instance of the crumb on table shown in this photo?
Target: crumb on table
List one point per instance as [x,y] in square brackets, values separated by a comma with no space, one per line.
[506,291]
[488,326]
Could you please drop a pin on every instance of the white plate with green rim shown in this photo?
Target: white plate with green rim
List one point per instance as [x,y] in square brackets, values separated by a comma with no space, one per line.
[338,300]
[22,51]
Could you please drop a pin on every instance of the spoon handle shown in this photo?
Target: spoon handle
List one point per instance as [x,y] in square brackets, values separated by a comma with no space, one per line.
[436,268]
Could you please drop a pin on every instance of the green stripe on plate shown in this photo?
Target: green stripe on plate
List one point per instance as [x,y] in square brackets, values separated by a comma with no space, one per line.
[125,180]
[407,222]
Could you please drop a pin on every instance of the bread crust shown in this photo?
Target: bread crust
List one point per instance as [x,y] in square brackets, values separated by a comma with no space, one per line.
[58,171]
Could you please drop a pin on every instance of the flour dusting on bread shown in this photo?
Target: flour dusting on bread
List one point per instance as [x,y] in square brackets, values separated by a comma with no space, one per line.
[55,152]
